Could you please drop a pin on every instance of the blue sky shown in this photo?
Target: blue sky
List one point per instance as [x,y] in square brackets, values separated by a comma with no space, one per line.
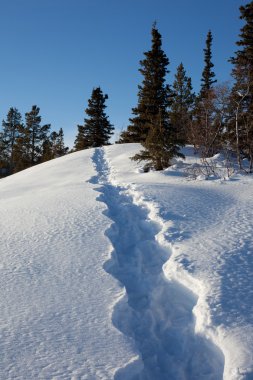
[53,52]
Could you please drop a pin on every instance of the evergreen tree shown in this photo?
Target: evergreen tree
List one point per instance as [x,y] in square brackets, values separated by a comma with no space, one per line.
[47,152]
[53,146]
[161,144]
[241,124]
[29,145]
[243,60]
[21,150]
[97,126]
[183,102]
[154,95]
[97,129]
[11,127]
[207,74]
[60,148]
[203,128]
[152,126]
[57,144]
[82,141]
[2,155]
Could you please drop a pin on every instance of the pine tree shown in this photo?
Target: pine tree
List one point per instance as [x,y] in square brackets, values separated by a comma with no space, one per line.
[207,75]
[154,95]
[183,102]
[152,126]
[10,134]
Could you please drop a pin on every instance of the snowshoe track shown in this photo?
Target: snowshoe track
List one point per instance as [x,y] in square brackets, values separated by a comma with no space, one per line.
[155,313]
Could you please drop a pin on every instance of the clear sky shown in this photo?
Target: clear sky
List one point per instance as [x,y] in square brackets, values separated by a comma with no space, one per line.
[53,52]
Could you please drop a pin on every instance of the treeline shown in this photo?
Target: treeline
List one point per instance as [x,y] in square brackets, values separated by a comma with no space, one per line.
[23,145]
[219,118]
[167,116]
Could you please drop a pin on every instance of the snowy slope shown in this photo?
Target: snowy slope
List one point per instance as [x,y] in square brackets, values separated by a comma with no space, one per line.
[55,298]
[110,273]
[208,227]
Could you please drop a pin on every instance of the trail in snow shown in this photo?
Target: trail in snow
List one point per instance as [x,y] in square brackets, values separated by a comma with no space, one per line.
[156,313]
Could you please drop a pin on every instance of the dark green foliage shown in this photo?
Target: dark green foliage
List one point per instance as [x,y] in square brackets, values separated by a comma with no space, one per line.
[243,60]
[125,137]
[152,126]
[241,124]
[154,95]
[11,127]
[81,141]
[202,128]
[244,57]
[207,74]
[160,146]
[97,130]
[182,105]
[46,150]
[32,137]
[37,134]
[57,144]
[3,163]
[53,146]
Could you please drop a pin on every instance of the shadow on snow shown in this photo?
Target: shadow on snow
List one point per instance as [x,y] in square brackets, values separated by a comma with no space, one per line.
[156,313]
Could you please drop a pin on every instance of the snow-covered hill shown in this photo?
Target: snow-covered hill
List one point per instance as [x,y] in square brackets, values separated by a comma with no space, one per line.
[110,273]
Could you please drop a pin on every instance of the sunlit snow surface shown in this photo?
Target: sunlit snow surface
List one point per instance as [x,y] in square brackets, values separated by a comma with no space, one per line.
[110,273]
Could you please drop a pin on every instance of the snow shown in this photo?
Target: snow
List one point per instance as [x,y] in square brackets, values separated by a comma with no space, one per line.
[107,272]
[55,298]
[208,226]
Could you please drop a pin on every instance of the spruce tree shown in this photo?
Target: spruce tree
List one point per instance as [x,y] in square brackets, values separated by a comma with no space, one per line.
[97,130]
[183,102]
[203,127]
[243,60]
[81,141]
[241,125]
[161,144]
[153,95]
[207,75]
[97,126]
[11,127]
[152,126]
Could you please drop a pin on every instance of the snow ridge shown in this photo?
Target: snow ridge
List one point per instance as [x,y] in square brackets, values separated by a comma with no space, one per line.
[154,312]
